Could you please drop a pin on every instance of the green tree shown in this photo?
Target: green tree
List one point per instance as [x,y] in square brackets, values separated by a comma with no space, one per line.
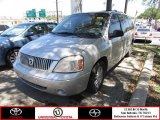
[64,17]
[53,18]
[151,3]
[151,12]
[155,10]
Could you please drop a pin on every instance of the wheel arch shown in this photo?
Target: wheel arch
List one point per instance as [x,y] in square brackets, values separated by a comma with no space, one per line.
[90,86]
[105,61]
[10,51]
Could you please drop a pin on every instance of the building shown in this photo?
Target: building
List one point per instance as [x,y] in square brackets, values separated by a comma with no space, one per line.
[11,21]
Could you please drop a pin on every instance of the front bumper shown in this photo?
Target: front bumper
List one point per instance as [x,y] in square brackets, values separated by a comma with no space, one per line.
[55,83]
[143,37]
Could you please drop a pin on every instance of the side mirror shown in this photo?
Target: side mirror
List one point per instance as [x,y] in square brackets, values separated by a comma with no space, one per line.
[117,33]
[29,34]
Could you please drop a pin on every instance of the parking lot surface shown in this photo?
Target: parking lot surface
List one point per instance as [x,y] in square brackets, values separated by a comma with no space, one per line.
[117,89]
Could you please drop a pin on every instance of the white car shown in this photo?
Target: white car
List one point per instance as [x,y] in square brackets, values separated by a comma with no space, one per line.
[143,33]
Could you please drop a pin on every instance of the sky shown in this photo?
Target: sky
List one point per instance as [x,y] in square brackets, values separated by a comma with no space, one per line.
[17,8]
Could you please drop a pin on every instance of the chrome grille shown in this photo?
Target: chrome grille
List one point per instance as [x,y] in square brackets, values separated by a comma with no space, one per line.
[35,62]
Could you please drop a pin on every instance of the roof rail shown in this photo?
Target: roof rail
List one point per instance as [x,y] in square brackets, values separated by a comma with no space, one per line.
[117,11]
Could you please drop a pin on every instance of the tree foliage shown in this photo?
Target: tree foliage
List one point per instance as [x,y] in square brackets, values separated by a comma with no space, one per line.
[53,18]
[153,10]
[150,3]
[153,13]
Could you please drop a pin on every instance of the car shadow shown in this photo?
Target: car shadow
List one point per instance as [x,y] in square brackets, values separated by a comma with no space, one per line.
[2,68]
[46,98]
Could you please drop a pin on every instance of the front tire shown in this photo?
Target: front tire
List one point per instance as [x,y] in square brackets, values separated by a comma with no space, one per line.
[96,78]
[11,57]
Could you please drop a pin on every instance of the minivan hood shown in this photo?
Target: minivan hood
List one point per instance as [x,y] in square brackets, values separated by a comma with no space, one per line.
[56,47]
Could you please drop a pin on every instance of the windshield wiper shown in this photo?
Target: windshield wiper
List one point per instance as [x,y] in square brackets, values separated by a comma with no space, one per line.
[85,35]
[90,35]
[5,35]
[65,33]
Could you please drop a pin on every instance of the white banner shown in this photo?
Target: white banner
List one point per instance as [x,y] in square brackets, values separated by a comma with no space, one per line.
[56,113]
[135,113]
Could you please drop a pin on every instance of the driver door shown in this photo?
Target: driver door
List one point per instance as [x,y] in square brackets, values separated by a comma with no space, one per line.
[117,46]
[38,31]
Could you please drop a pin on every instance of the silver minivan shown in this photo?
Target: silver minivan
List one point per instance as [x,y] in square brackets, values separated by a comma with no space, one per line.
[77,53]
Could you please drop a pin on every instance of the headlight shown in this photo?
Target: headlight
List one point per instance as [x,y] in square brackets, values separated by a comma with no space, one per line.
[70,64]
[1,45]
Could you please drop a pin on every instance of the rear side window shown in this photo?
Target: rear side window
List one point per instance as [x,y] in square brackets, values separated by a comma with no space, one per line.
[114,26]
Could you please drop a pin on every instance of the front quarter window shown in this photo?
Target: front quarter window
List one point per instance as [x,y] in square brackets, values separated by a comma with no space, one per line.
[114,26]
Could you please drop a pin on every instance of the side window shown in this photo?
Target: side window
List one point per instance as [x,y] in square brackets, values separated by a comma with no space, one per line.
[38,29]
[124,22]
[33,29]
[114,26]
[41,28]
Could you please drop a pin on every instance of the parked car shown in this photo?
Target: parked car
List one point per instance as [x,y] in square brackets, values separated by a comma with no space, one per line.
[3,28]
[143,33]
[77,54]
[137,25]
[12,39]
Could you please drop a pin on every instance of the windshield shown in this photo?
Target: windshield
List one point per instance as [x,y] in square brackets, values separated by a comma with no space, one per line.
[83,25]
[15,30]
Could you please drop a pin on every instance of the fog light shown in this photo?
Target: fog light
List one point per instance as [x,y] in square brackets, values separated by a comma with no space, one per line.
[61,92]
